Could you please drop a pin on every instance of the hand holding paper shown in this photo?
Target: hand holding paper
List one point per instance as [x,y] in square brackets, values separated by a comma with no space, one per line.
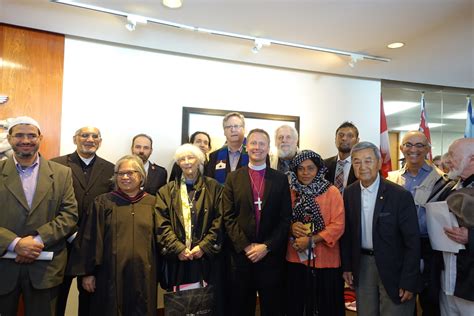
[457,234]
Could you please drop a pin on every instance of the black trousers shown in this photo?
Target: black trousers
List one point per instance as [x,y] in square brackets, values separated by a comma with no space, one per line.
[429,295]
[36,302]
[314,291]
[247,281]
[63,293]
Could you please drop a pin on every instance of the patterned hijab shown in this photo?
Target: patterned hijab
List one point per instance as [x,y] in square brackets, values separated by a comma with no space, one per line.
[306,209]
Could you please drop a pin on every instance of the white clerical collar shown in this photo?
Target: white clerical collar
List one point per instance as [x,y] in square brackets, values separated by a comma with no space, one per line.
[257,168]
[87,161]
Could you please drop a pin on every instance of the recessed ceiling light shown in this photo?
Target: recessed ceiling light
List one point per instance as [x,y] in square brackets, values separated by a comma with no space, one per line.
[392,107]
[395,45]
[173,4]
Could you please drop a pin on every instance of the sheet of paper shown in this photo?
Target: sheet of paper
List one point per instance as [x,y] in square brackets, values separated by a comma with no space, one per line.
[438,216]
[44,255]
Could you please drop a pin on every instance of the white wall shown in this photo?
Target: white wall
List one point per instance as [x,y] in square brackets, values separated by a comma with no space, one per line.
[125,91]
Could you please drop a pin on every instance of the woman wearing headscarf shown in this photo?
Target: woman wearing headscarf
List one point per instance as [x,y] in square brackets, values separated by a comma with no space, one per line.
[116,251]
[190,221]
[314,265]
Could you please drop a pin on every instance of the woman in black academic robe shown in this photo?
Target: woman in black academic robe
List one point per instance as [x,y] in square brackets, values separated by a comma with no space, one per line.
[116,249]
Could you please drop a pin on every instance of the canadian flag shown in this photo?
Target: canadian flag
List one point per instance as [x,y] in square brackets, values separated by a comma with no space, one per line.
[384,142]
[424,128]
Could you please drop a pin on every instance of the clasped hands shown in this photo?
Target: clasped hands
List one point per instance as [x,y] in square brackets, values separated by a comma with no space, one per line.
[195,253]
[302,233]
[27,250]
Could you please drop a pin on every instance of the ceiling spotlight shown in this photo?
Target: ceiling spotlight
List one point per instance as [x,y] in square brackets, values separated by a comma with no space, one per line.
[259,43]
[354,59]
[172,4]
[132,21]
[396,45]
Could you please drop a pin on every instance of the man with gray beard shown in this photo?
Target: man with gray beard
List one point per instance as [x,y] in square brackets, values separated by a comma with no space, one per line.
[457,283]
[286,140]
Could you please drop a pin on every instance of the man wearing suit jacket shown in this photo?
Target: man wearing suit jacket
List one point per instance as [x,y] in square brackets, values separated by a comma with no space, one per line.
[380,248]
[142,146]
[233,154]
[38,212]
[257,210]
[347,135]
[91,176]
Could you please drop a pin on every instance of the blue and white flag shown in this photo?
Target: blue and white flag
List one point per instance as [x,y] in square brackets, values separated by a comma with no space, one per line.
[469,132]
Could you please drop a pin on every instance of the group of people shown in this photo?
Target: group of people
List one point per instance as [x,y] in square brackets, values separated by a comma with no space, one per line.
[289,226]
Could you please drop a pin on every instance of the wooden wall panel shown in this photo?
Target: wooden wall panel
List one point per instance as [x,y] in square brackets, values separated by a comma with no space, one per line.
[394,149]
[31,74]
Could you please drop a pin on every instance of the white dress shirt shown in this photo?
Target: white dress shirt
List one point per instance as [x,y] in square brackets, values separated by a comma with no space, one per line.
[368,197]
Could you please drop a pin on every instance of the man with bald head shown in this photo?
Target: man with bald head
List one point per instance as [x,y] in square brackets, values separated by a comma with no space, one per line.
[457,283]
[91,177]
[423,179]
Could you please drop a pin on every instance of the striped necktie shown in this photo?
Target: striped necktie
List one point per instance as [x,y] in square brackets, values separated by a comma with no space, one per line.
[339,177]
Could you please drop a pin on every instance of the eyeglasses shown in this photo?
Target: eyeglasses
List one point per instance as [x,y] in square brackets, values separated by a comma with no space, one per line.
[233,126]
[87,135]
[417,145]
[129,174]
[20,136]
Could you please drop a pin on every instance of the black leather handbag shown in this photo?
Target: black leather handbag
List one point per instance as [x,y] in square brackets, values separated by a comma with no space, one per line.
[199,301]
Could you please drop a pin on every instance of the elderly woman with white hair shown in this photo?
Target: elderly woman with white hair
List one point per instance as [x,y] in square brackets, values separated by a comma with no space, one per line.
[190,221]
[116,251]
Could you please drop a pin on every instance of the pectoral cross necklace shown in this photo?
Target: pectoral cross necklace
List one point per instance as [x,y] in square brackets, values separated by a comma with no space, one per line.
[258,202]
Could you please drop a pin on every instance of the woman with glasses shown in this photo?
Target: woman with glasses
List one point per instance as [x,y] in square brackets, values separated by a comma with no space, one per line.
[314,280]
[116,249]
[190,221]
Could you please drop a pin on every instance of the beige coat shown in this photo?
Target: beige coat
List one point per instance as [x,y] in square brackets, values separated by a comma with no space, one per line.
[423,191]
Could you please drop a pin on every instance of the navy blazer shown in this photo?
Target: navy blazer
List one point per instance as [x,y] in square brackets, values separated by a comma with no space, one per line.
[395,236]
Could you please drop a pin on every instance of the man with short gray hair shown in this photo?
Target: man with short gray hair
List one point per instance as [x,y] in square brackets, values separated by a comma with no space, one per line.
[233,155]
[380,247]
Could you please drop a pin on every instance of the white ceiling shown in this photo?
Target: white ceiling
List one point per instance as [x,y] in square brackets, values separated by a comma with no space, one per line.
[439,35]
